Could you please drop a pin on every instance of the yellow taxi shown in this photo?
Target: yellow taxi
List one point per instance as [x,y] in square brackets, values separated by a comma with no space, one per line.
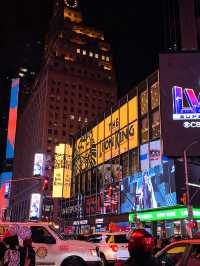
[180,253]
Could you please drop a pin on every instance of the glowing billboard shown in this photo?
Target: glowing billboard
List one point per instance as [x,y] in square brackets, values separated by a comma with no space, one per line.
[12,120]
[179,102]
[35,206]
[114,135]
[62,171]
[5,184]
[38,164]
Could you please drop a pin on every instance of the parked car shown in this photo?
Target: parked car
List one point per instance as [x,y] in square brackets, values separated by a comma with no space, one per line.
[111,246]
[51,249]
[181,253]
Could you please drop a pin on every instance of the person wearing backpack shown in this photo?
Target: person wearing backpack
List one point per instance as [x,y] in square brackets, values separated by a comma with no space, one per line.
[27,253]
[12,254]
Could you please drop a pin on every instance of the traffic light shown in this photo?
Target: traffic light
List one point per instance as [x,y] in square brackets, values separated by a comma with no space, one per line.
[45,184]
[183,198]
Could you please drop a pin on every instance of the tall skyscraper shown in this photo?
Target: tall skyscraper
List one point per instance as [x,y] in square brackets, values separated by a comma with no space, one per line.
[75,84]
[182,25]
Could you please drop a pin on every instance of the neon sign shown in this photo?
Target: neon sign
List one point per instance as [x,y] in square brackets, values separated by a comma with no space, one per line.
[186,104]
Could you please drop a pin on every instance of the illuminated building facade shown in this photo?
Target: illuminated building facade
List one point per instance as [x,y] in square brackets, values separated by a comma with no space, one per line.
[131,158]
[75,84]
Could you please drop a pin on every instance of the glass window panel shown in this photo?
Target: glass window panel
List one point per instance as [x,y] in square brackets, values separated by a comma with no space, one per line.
[133,162]
[156,124]
[123,116]
[144,129]
[154,96]
[144,102]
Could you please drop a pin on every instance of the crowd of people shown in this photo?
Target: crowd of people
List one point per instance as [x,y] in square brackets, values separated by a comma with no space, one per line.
[14,254]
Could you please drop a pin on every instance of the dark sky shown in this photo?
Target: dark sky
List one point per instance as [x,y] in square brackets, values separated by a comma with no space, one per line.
[134,28]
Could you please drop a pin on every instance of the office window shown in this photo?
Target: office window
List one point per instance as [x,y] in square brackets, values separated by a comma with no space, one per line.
[78,50]
[103,57]
[84,52]
[107,59]
[96,56]
[90,54]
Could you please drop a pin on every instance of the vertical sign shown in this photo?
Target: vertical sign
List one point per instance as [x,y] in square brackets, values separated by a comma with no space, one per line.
[12,119]
[62,171]
[35,206]
[38,164]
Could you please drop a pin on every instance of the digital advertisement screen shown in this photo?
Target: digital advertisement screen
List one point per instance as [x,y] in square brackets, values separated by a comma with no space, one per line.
[110,199]
[38,164]
[180,106]
[150,188]
[5,184]
[12,120]
[35,206]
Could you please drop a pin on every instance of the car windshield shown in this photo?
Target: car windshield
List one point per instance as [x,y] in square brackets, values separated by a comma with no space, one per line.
[121,239]
[62,235]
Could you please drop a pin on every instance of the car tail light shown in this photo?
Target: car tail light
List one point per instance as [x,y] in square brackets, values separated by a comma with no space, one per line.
[114,247]
[93,252]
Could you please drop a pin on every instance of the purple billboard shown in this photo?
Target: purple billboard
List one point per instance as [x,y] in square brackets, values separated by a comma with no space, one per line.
[179,78]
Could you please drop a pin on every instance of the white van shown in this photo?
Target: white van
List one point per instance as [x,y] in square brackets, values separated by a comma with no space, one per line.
[52,250]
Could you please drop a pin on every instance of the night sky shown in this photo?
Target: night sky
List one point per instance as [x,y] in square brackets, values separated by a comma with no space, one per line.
[134,29]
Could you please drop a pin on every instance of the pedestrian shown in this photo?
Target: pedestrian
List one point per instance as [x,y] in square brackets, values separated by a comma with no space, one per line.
[12,253]
[27,253]
[140,248]
[3,248]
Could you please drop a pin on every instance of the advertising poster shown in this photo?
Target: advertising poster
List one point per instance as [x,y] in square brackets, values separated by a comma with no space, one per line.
[148,189]
[144,156]
[155,153]
[109,138]
[35,206]
[38,164]
[110,199]
[62,171]
[179,99]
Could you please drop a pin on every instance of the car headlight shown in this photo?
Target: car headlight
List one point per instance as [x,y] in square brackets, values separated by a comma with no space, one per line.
[93,252]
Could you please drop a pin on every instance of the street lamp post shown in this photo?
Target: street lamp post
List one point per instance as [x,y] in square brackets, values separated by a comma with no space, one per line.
[190,216]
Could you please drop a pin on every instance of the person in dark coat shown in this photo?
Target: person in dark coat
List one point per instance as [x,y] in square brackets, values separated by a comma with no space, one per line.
[27,253]
[10,240]
[140,248]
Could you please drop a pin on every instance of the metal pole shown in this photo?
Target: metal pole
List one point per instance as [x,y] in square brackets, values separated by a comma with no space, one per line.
[186,179]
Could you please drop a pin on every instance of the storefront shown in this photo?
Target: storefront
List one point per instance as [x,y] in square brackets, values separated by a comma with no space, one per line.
[168,221]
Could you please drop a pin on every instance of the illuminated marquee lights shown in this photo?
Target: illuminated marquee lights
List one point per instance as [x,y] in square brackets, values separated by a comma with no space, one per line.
[12,119]
[181,97]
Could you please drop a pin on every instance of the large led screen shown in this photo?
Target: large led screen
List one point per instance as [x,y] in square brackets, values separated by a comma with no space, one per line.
[150,188]
[179,99]
[12,119]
